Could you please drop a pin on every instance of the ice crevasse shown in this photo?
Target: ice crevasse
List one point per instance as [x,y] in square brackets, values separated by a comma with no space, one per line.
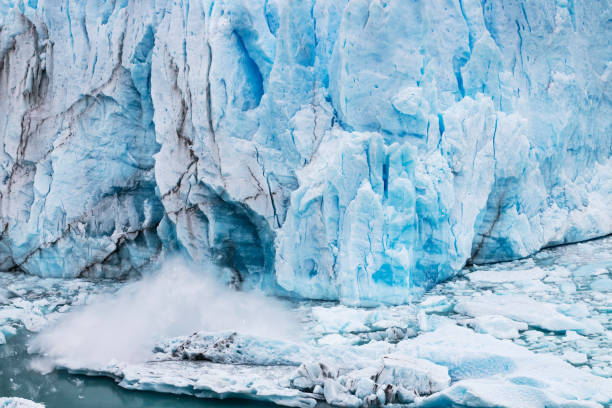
[356,150]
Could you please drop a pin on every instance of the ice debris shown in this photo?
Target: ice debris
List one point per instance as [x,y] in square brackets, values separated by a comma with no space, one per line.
[14,402]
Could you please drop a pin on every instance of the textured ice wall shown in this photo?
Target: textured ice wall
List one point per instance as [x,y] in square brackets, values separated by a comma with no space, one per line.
[356,150]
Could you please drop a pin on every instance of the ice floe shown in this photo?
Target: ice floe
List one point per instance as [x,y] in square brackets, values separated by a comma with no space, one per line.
[14,402]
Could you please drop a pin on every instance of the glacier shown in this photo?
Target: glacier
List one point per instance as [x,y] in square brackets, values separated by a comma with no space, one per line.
[359,151]
[353,203]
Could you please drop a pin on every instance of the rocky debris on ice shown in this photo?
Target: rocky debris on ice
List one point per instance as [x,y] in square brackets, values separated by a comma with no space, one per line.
[234,348]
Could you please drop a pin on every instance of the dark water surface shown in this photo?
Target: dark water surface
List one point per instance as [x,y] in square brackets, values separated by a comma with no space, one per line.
[60,389]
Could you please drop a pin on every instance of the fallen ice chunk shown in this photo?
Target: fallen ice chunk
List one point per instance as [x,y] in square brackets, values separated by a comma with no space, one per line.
[435,304]
[603,371]
[501,276]
[205,379]
[524,309]
[341,319]
[490,393]
[413,375]
[571,335]
[515,376]
[602,285]
[338,395]
[590,270]
[395,378]
[497,326]
[574,357]
[233,348]
[361,382]
[14,402]
[336,339]
[312,374]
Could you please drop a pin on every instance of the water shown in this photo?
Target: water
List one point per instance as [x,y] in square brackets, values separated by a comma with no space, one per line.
[60,389]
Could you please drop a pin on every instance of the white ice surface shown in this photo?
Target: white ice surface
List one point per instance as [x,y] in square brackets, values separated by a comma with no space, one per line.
[498,326]
[524,309]
[14,402]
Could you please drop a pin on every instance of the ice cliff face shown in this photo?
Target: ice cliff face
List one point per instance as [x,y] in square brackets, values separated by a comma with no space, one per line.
[357,150]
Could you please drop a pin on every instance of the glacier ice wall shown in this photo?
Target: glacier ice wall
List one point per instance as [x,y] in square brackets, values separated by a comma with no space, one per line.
[356,150]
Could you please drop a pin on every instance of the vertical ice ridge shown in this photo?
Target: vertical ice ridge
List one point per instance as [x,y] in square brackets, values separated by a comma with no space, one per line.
[360,150]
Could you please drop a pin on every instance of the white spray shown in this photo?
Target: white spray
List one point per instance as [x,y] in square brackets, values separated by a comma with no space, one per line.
[175,301]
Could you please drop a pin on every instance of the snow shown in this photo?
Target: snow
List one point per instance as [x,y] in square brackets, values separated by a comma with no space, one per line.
[359,151]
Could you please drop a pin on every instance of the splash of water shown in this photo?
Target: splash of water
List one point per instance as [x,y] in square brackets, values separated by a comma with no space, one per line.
[177,300]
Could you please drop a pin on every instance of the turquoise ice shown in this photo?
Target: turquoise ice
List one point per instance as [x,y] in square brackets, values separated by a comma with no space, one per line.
[353,150]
